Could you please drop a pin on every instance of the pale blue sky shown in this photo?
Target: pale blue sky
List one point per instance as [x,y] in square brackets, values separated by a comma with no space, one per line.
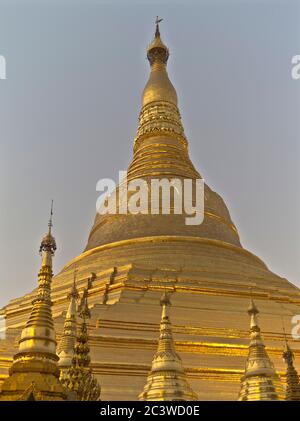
[70,104]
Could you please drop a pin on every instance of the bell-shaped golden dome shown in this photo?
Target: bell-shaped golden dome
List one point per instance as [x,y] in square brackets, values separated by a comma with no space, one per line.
[159,86]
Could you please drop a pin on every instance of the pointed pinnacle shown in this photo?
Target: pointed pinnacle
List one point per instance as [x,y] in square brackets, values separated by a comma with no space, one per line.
[50,224]
[165,300]
[252,309]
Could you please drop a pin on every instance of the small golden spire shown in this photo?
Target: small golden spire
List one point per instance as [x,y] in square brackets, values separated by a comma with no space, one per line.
[167,379]
[39,333]
[69,336]
[79,379]
[260,380]
[292,392]
[36,358]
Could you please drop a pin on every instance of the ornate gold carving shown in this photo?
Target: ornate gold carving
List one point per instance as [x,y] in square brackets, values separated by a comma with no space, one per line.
[78,378]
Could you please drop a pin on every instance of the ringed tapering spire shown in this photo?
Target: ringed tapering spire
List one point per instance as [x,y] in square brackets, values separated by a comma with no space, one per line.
[69,335]
[260,381]
[160,146]
[34,372]
[167,380]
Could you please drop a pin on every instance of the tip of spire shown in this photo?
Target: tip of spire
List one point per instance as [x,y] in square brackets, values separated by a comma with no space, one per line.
[74,275]
[50,224]
[288,355]
[74,293]
[165,299]
[287,347]
[157,22]
[252,309]
[84,311]
[157,51]
[48,242]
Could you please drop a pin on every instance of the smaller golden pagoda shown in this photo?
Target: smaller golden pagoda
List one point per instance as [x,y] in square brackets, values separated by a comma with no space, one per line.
[79,379]
[34,374]
[68,339]
[260,381]
[292,379]
[167,380]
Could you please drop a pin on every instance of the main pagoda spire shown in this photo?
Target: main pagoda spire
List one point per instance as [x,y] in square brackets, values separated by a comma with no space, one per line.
[260,381]
[160,146]
[160,153]
[34,373]
[167,380]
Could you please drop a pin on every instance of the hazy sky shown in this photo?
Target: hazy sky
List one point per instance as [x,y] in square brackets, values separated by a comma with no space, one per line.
[70,104]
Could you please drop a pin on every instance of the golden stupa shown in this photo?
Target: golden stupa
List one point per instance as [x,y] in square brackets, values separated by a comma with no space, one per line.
[166,380]
[260,381]
[34,373]
[131,259]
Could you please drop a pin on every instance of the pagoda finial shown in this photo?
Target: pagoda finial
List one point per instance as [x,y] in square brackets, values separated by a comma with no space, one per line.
[48,243]
[260,380]
[50,224]
[167,379]
[157,22]
[253,312]
[157,52]
[165,303]
[165,299]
